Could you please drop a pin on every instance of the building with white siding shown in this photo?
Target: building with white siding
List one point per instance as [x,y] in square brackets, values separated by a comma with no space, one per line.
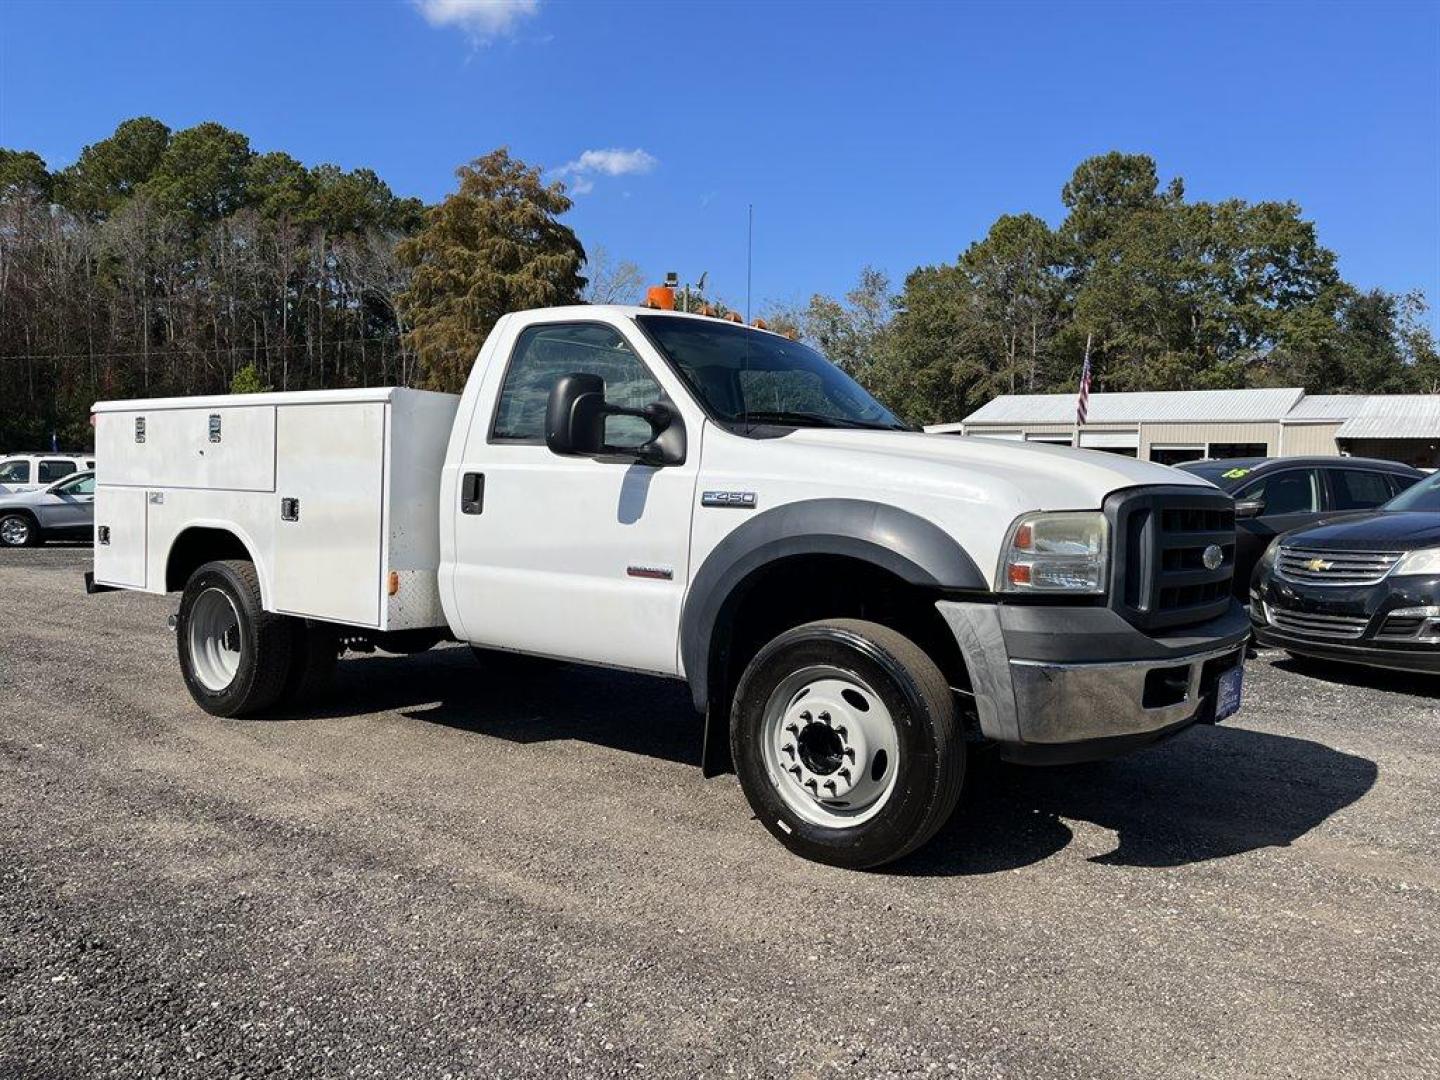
[1173,426]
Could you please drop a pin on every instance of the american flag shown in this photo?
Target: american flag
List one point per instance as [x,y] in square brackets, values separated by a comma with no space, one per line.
[1082,407]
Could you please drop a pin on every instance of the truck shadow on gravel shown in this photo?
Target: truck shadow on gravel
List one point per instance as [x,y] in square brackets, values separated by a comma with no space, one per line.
[1209,793]
[522,699]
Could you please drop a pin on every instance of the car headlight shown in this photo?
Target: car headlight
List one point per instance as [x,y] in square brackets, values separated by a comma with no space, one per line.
[1271,554]
[1056,553]
[1419,562]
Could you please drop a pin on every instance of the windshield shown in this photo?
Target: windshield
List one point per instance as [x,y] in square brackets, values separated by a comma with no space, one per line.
[1424,496]
[742,375]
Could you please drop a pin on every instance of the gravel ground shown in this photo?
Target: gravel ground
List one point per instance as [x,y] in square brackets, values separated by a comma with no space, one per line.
[448,872]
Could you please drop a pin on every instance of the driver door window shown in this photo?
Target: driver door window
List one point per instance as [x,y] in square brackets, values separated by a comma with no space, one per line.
[79,487]
[543,353]
[1296,491]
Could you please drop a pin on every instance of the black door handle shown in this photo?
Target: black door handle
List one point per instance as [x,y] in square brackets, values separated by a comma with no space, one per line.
[472,493]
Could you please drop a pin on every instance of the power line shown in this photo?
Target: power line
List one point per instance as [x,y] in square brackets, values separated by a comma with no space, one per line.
[191,352]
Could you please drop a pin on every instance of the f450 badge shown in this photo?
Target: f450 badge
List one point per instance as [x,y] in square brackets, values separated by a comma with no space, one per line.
[735,500]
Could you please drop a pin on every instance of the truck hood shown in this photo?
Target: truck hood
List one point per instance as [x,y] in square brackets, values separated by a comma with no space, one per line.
[972,488]
[1043,476]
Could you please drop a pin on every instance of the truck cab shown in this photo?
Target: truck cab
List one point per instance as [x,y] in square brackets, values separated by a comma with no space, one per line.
[855,606]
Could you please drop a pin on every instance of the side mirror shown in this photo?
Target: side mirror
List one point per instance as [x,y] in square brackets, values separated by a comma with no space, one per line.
[1249,508]
[575,423]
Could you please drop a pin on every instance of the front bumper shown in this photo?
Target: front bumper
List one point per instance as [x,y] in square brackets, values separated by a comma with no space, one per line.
[1079,683]
[1366,606]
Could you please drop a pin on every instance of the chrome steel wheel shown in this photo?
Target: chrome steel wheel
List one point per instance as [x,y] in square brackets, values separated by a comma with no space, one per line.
[15,530]
[214,639]
[830,746]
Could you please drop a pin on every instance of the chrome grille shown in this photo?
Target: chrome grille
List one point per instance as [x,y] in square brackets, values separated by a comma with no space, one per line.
[1162,536]
[1308,624]
[1316,567]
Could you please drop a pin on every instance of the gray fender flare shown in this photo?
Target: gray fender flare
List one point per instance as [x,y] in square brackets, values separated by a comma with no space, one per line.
[913,549]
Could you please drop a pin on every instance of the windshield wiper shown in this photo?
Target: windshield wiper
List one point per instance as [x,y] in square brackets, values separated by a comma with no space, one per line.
[806,419]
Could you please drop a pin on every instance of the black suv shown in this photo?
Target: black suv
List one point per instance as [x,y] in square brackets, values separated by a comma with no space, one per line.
[1275,495]
[1363,589]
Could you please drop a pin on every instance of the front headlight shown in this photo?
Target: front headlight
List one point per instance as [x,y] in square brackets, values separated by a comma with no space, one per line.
[1419,562]
[1056,553]
[1271,554]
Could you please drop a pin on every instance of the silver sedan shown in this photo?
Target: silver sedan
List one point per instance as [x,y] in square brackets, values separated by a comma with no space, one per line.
[63,510]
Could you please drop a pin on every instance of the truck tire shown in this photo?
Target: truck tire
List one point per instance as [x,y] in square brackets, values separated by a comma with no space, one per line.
[314,654]
[847,742]
[18,530]
[234,654]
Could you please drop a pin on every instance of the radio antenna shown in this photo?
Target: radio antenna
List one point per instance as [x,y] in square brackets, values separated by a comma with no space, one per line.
[749,255]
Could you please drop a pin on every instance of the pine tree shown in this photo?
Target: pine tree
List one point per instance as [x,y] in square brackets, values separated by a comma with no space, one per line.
[493,246]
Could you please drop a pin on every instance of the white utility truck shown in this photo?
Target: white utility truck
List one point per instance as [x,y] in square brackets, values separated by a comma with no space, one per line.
[856,607]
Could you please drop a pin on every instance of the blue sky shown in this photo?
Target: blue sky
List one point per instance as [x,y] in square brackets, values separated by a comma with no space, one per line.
[890,134]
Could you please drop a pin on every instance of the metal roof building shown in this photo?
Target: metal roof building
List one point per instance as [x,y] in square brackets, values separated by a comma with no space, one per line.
[1184,425]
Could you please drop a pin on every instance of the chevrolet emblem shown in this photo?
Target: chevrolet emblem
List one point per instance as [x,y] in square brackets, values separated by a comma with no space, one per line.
[1315,566]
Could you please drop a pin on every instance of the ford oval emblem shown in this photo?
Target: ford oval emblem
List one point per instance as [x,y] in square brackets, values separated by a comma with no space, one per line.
[1213,557]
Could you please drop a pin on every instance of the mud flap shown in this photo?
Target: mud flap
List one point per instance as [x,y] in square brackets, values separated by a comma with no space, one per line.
[715,757]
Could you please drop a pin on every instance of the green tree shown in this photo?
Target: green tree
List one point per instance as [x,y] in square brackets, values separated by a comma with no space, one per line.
[351,203]
[248,380]
[23,175]
[1015,274]
[201,175]
[279,187]
[1107,190]
[495,245]
[110,171]
[938,361]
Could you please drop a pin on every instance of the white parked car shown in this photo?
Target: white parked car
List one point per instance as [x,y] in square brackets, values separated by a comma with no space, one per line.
[854,605]
[60,511]
[31,472]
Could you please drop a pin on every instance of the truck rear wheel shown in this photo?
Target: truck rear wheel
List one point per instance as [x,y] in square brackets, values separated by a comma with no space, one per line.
[234,654]
[847,742]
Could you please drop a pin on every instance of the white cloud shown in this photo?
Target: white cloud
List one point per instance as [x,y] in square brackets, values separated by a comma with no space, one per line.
[481,19]
[580,173]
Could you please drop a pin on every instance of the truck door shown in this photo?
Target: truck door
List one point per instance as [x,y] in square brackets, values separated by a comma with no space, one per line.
[571,556]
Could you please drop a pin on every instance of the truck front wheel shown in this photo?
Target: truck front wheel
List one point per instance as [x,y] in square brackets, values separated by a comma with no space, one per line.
[234,654]
[847,742]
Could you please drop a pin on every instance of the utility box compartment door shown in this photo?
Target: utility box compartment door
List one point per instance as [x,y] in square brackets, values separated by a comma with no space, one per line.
[120,538]
[224,448]
[330,477]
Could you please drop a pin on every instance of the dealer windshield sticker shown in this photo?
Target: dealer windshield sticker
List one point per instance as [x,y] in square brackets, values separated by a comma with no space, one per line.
[1235,474]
